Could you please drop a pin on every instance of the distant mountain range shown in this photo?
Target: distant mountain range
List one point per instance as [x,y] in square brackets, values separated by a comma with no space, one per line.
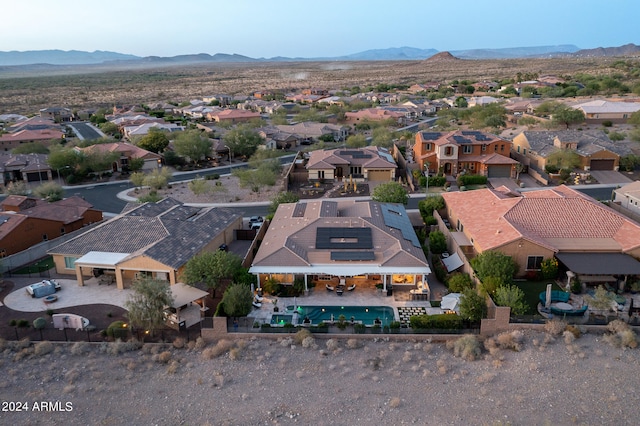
[75,57]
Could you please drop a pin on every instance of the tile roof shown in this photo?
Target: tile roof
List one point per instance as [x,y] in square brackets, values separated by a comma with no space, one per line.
[290,241]
[589,142]
[559,218]
[167,231]
[368,157]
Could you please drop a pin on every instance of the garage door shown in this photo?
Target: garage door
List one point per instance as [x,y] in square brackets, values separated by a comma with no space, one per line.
[602,164]
[374,175]
[499,172]
[36,177]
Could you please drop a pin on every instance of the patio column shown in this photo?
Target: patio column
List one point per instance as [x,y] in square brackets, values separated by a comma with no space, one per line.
[119,279]
[79,276]
[306,288]
[384,282]
[258,280]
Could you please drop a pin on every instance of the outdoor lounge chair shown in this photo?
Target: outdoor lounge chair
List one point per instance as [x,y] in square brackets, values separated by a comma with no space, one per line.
[351,287]
[257,304]
[329,288]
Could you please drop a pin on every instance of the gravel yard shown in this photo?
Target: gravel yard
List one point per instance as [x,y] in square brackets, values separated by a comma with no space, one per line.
[545,380]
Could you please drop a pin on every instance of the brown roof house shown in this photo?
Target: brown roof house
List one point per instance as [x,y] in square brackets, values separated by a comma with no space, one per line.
[587,237]
[126,152]
[370,163]
[367,242]
[470,151]
[596,150]
[152,239]
[26,221]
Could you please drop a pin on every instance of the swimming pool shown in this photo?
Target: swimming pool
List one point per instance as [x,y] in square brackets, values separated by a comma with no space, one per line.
[365,314]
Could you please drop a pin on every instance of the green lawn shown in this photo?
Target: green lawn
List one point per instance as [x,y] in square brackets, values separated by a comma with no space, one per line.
[532,290]
[34,268]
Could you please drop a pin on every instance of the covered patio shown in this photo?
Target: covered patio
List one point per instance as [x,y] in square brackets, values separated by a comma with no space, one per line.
[599,268]
[188,307]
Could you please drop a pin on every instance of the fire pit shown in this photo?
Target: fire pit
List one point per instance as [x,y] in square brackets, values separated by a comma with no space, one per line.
[50,299]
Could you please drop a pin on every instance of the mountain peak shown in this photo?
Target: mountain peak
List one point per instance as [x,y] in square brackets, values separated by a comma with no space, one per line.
[442,57]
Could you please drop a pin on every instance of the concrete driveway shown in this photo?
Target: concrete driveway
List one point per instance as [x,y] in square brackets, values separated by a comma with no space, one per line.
[610,176]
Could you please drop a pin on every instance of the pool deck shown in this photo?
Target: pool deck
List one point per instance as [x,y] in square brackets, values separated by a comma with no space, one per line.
[322,297]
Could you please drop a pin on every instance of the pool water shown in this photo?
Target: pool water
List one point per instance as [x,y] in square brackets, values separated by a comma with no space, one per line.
[365,314]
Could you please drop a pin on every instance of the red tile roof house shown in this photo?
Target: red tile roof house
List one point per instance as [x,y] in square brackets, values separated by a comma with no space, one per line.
[127,152]
[471,151]
[26,221]
[8,141]
[587,237]
[371,163]
[346,238]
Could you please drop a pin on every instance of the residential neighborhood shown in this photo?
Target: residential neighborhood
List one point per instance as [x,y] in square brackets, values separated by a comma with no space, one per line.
[480,169]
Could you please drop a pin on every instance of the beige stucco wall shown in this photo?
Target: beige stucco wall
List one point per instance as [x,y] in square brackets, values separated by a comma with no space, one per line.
[521,249]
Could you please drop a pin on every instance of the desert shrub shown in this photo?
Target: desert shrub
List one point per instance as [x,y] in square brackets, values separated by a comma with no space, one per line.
[511,340]
[234,354]
[555,327]
[163,357]
[173,367]
[120,346]
[621,335]
[39,323]
[332,344]
[220,348]
[80,348]
[308,342]
[467,347]
[302,334]
[179,343]
[353,343]
[573,330]
[43,348]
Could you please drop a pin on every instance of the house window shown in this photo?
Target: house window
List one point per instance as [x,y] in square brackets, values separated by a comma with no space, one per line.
[472,166]
[427,147]
[62,231]
[501,148]
[448,150]
[495,148]
[534,263]
[70,262]
[467,149]
[524,151]
[459,226]
[484,147]
[518,148]
[355,170]
[321,174]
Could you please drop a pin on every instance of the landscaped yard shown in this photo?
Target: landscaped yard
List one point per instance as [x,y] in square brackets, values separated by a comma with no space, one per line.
[532,290]
[41,265]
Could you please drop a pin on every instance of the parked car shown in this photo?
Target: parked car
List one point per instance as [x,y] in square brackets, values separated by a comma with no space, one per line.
[254,219]
[255,225]
[43,288]
[223,247]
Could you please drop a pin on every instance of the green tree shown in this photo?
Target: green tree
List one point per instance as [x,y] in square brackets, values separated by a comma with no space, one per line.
[513,297]
[459,282]
[237,300]
[381,136]
[494,264]
[356,141]
[242,141]
[109,128]
[567,116]
[429,204]
[158,178]
[137,179]
[634,119]
[256,179]
[147,303]
[390,192]
[282,198]
[437,242]
[473,306]
[211,267]
[629,162]
[564,159]
[49,191]
[193,145]
[61,157]
[155,141]
[30,148]
[461,102]
[135,164]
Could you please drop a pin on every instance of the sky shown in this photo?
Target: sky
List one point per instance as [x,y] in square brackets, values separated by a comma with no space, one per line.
[312,28]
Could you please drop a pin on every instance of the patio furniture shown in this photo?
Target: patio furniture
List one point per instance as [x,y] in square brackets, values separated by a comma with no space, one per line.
[339,291]
[351,287]
[329,288]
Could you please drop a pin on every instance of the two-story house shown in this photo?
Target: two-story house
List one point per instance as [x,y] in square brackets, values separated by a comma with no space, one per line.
[470,151]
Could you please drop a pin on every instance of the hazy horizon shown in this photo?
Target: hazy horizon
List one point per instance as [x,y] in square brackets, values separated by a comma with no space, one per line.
[289,28]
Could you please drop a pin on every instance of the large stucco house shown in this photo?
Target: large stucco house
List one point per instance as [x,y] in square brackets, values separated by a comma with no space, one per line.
[370,163]
[330,241]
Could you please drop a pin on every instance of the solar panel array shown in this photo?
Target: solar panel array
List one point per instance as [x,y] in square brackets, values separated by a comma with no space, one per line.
[395,216]
[353,255]
[430,136]
[299,210]
[479,136]
[461,139]
[331,238]
[356,154]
